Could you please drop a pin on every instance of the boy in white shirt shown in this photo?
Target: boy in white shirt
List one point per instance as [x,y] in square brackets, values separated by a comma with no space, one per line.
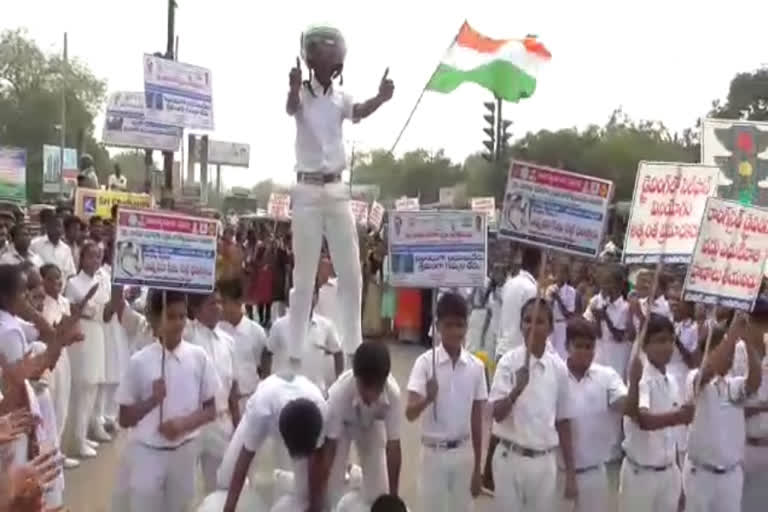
[167,407]
[253,361]
[598,393]
[364,408]
[531,401]
[563,298]
[609,312]
[650,476]
[457,393]
[294,408]
[204,332]
[713,474]
[320,201]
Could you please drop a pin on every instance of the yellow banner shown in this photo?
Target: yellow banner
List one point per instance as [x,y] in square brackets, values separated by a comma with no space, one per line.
[90,202]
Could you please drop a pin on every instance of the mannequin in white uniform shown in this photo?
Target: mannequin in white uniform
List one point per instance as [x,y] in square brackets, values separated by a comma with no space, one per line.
[320,201]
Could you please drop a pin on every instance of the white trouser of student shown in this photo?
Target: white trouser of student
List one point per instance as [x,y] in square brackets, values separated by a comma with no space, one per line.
[646,489]
[526,481]
[324,210]
[214,440]
[446,473]
[61,384]
[121,489]
[162,480]
[592,486]
[755,476]
[712,489]
[370,444]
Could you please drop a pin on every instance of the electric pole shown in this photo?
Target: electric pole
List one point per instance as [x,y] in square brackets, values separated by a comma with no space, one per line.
[63,132]
[167,194]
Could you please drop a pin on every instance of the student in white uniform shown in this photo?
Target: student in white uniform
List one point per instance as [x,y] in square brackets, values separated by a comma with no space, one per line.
[685,356]
[322,341]
[55,308]
[610,314]
[204,332]
[177,379]
[87,358]
[253,361]
[364,409]
[531,400]
[52,249]
[598,393]
[650,476]
[450,404]
[713,476]
[563,297]
[18,251]
[291,408]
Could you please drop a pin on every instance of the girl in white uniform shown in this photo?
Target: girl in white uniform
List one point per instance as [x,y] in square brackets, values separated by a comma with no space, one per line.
[87,358]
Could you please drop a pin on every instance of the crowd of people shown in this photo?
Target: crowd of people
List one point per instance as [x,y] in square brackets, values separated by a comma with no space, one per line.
[574,413]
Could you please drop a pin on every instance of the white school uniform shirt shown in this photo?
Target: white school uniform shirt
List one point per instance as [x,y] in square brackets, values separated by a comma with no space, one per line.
[328,301]
[660,394]
[716,434]
[250,341]
[610,351]
[55,309]
[687,331]
[567,294]
[319,133]
[262,417]
[116,182]
[459,386]
[348,415]
[593,425]
[546,399]
[137,329]
[10,256]
[190,381]
[757,425]
[59,254]
[88,358]
[322,339]
[660,307]
[516,292]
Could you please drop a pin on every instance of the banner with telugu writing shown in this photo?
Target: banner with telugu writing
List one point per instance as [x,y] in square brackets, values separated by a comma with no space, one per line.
[359,211]
[667,205]
[376,215]
[433,249]
[728,260]
[555,209]
[407,204]
[279,206]
[164,250]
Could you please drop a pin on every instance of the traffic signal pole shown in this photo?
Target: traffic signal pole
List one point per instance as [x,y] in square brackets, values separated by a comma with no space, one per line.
[499,129]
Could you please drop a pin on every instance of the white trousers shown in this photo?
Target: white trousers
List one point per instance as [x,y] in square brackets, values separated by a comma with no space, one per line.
[649,491]
[593,492]
[445,482]
[61,385]
[106,405]
[370,445]
[82,403]
[523,484]
[708,492]
[324,211]
[755,495]
[162,480]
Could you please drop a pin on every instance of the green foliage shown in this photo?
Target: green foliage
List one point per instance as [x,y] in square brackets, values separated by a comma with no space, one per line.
[31,84]
[747,97]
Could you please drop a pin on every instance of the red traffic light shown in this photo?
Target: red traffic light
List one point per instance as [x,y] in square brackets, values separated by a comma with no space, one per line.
[745,142]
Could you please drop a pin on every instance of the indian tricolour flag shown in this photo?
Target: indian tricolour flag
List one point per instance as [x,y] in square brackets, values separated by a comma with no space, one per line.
[506,67]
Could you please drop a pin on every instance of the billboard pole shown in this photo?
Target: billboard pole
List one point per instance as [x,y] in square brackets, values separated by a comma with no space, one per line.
[63,131]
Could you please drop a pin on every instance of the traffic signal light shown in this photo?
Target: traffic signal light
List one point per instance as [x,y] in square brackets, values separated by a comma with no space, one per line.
[490,131]
[744,161]
[504,136]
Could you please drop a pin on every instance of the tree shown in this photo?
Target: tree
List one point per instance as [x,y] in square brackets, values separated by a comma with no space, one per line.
[132,166]
[31,83]
[747,97]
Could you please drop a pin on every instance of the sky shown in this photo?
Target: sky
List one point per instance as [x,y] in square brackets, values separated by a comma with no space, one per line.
[658,59]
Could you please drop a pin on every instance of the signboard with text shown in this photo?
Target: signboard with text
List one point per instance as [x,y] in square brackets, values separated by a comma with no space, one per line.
[433,249]
[52,169]
[728,260]
[555,209]
[164,250]
[13,173]
[177,94]
[667,205]
[279,206]
[90,202]
[126,126]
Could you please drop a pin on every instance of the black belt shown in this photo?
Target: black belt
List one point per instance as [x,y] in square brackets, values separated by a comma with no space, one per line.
[523,451]
[710,468]
[645,467]
[444,445]
[317,178]
[585,469]
[167,448]
[757,441]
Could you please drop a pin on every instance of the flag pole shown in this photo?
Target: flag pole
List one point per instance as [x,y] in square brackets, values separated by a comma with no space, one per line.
[418,100]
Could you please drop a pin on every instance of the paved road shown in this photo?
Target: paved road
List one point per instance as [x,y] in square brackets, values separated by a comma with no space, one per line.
[89,487]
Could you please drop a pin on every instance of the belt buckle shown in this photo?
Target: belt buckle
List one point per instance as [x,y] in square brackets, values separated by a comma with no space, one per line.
[451,445]
[527,452]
